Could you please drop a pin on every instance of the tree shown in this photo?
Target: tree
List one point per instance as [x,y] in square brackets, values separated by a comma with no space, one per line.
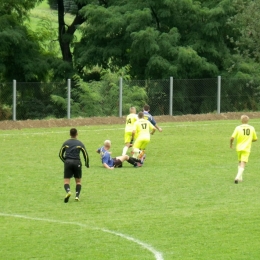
[21,56]
[26,57]
[183,39]
[101,98]
[246,24]
[247,41]
[18,8]
[66,32]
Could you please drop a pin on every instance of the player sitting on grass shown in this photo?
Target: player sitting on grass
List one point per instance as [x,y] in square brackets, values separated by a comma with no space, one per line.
[116,162]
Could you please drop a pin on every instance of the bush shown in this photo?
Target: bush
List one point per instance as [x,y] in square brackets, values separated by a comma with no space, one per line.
[5,112]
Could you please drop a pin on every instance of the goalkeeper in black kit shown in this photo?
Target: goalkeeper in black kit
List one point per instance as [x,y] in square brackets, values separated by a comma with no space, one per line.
[70,155]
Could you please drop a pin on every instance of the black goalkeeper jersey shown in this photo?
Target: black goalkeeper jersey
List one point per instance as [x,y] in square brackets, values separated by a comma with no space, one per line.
[71,150]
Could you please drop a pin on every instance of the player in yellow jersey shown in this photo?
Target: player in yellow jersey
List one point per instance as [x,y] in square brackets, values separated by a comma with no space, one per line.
[129,126]
[244,134]
[142,131]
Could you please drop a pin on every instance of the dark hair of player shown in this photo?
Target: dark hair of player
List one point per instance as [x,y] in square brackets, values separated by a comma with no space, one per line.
[73,132]
[140,115]
[146,107]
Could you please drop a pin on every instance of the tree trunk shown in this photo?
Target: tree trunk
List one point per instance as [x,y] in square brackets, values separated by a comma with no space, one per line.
[66,32]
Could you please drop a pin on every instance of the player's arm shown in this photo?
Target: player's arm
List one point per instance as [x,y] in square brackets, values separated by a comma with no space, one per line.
[61,153]
[152,128]
[158,128]
[108,167]
[233,136]
[153,122]
[254,137]
[133,136]
[85,155]
[231,141]
[105,160]
[134,132]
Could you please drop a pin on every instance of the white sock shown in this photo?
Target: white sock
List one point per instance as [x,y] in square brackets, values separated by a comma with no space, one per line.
[136,153]
[241,178]
[239,173]
[125,150]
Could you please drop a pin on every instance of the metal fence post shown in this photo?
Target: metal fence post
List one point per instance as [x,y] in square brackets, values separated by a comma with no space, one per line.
[69,92]
[219,95]
[14,100]
[120,96]
[171,95]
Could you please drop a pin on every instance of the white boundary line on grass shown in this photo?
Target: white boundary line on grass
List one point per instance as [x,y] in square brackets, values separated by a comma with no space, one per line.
[189,124]
[157,254]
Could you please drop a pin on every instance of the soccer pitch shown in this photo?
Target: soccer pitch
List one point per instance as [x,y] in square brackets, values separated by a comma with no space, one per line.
[182,204]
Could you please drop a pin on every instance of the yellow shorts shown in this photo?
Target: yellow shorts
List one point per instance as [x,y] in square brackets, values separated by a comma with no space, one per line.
[141,143]
[243,156]
[128,137]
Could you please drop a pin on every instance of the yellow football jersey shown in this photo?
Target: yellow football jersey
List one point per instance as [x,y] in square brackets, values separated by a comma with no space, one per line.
[244,135]
[143,128]
[130,120]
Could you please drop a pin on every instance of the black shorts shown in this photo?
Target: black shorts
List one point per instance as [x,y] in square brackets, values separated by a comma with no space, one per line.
[117,163]
[72,168]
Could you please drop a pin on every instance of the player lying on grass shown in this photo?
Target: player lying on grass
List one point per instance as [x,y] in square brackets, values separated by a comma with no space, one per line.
[116,162]
[142,131]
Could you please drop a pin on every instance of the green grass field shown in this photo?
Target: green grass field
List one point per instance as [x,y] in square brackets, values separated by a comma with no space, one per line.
[182,204]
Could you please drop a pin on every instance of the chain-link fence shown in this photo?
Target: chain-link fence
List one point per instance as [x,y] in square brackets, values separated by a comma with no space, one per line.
[6,99]
[40,100]
[21,101]
[240,95]
[191,96]
[156,93]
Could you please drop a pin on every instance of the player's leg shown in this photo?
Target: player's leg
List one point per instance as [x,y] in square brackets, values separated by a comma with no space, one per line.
[240,171]
[118,161]
[67,175]
[77,176]
[128,137]
[78,188]
[141,156]
[129,159]
[243,159]
[67,184]
[136,148]
[143,146]
[139,153]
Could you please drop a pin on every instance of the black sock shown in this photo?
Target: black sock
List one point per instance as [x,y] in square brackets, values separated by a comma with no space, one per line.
[78,189]
[133,161]
[67,187]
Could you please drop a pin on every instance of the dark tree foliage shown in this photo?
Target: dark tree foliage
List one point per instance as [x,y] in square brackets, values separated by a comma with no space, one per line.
[21,57]
[183,39]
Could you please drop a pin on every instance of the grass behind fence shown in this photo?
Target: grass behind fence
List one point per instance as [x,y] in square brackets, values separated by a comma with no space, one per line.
[182,203]
[43,12]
